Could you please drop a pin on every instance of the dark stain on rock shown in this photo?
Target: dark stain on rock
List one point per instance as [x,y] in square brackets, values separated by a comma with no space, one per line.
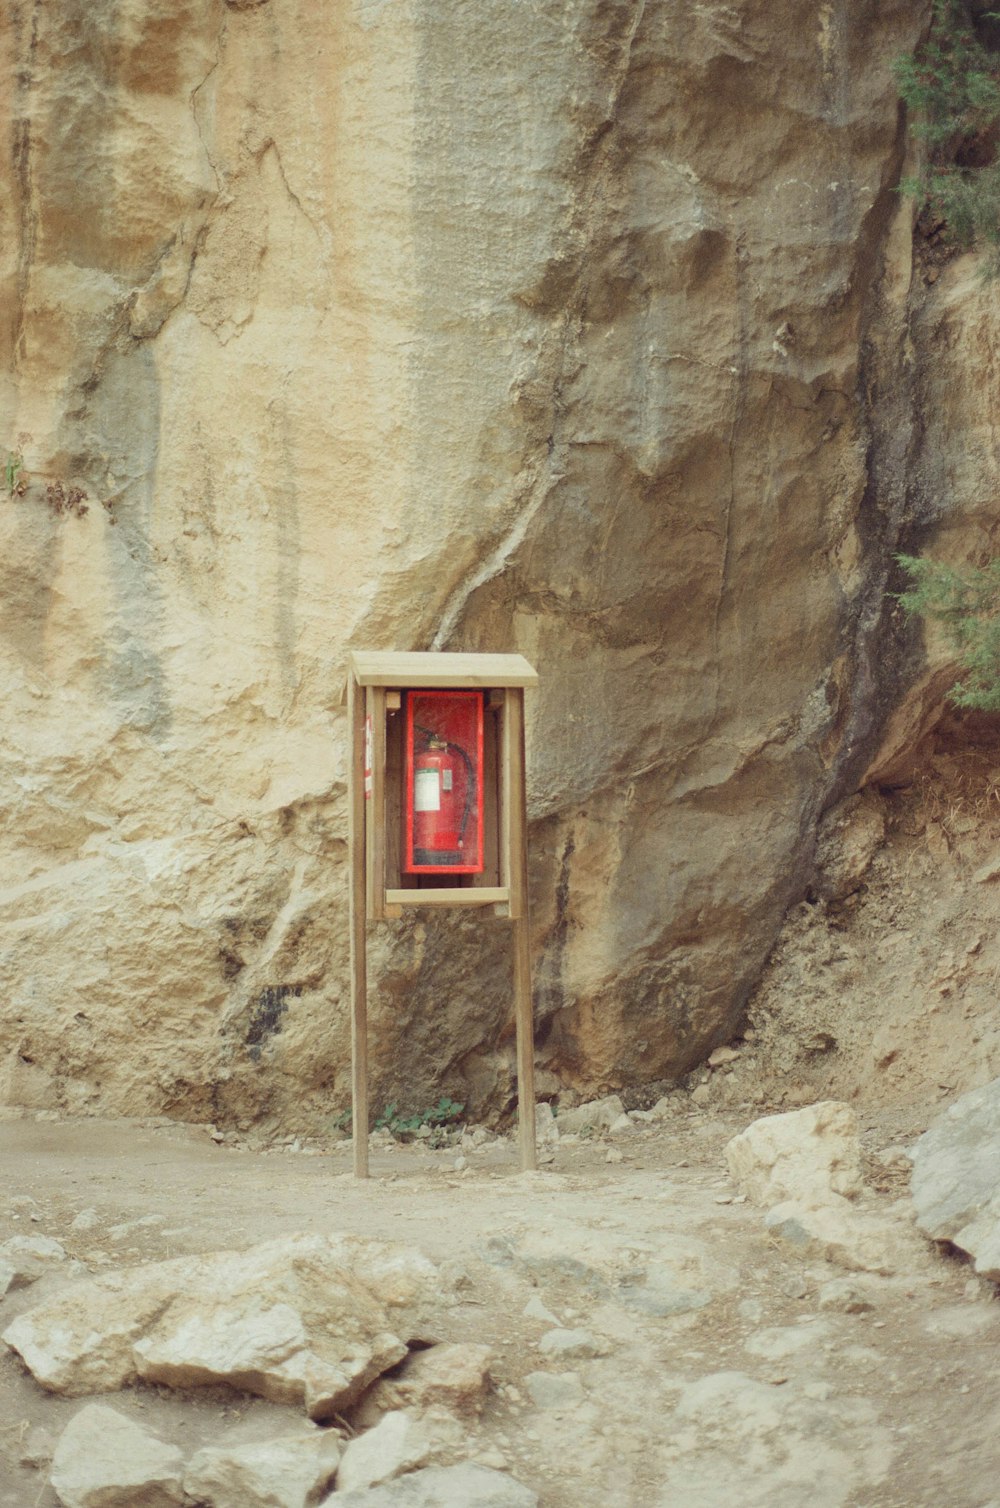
[266,1014]
[232,963]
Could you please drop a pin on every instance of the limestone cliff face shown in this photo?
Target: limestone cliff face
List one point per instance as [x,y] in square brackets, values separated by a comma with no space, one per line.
[581,329]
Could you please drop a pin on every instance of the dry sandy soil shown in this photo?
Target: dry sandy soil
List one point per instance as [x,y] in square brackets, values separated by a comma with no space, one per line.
[759,1396]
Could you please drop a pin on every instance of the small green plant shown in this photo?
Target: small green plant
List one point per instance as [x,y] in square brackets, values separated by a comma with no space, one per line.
[13,480]
[59,498]
[438,1117]
[343,1121]
[951,85]
[967,605]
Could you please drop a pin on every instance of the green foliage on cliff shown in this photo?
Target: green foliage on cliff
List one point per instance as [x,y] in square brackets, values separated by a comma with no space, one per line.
[967,604]
[951,85]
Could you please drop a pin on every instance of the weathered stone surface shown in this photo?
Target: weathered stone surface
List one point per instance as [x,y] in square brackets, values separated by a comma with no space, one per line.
[103,1460]
[596,1115]
[809,1155]
[661,1290]
[737,1439]
[846,1296]
[535,1309]
[555,1390]
[464,1486]
[558,1343]
[956,1178]
[803,1167]
[290,1320]
[23,1259]
[659,256]
[37,1449]
[837,1232]
[290,1471]
[399,1442]
[455,1377]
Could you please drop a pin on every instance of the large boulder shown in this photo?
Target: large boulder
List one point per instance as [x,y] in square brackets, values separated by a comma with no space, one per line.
[103,1460]
[305,1320]
[807,1155]
[956,1178]
[804,1168]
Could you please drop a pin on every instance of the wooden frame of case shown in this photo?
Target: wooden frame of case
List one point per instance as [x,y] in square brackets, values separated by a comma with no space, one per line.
[380,890]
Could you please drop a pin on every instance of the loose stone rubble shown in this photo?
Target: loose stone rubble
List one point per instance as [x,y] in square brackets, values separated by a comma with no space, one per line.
[588,1309]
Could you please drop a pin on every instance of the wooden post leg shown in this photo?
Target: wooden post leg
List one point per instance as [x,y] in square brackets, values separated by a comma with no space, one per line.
[359,1041]
[525,1046]
[359,938]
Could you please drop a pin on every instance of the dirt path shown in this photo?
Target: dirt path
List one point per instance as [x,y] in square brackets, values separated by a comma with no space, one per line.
[723,1378]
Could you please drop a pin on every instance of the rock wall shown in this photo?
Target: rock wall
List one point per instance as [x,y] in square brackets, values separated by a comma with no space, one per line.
[581,329]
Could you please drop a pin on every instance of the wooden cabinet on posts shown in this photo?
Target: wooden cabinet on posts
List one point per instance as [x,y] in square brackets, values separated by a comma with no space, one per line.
[436,782]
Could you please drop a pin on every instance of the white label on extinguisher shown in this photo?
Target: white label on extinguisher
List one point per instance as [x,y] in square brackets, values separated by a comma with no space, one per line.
[368,757]
[426,791]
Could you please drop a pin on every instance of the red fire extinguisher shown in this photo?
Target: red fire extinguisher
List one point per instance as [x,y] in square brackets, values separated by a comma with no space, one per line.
[443,795]
[444,822]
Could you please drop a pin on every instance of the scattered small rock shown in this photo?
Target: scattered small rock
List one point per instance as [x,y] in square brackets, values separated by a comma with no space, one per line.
[560,1343]
[38,1448]
[846,1296]
[535,1309]
[555,1390]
